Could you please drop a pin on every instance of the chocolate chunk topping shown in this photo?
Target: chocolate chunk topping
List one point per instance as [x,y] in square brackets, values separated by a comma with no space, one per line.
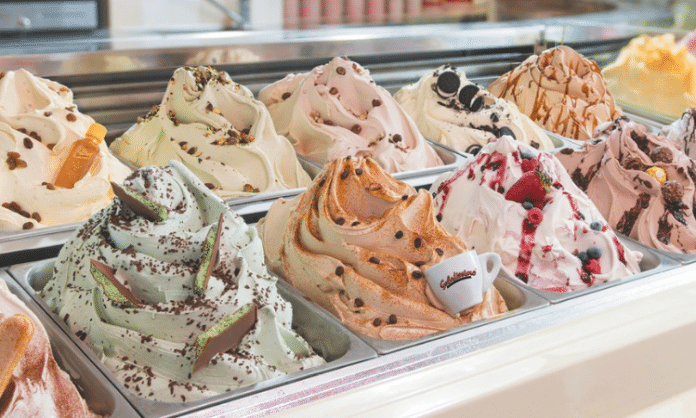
[672,192]
[359,302]
[345,174]
[139,204]
[27,225]
[339,271]
[392,319]
[439,217]
[374,260]
[355,223]
[376,102]
[71,117]
[211,186]
[377,322]
[358,171]
[522,276]
[417,274]
[417,242]
[399,234]
[662,154]
[28,144]
[356,129]
[333,91]
[566,151]
[340,221]
[439,251]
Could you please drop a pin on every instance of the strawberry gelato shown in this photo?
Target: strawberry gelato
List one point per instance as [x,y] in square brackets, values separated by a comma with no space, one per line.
[521,203]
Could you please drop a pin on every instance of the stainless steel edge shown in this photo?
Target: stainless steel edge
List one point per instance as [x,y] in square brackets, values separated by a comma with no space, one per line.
[342,345]
[652,263]
[100,395]
[678,257]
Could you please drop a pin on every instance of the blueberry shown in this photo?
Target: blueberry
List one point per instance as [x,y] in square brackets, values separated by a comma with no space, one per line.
[596,225]
[594,252]
[527,154]
[447,83]
[582,256]
[527,205]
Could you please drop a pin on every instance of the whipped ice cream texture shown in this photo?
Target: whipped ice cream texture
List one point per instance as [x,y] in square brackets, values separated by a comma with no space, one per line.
[357,243]
[337,110]
[521,203]
[158,254]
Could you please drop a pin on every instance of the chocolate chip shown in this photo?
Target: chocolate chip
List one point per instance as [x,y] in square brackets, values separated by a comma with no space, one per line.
[71,117]
[27,225]
[333,91]
[211,186]
[47,114]
[417,242]
[345,174]
[439,252]
[28,144]
[396,138]
[355,223]
[566,151]
[404,197]
[35,216]
[341,70]
[633,163]
[377,322]
[340,221]
[374,260]
[356,129]
[358,171]
[392,319]
[359,302]
[286,95]
[321,182]
[376,102]
[340,270]
[192,150]
[439,217]
[522,276]
[399,234]
[419,263]
[417,274]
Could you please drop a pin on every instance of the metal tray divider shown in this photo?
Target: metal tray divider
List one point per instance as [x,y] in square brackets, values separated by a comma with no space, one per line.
[356,351]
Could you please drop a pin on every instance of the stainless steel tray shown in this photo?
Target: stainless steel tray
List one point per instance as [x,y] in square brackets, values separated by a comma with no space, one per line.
[682,258]
[517,299]
[651,264]
[44,242]
[325,334]
[101,397]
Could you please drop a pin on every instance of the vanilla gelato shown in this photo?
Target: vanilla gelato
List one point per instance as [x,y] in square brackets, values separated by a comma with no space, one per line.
[219,131]
[561,91]
[655,74]
[38,125]
[38,387]
[337,110]
[357,243]
[450,109]
[522,204]
[641,183]
[173,290]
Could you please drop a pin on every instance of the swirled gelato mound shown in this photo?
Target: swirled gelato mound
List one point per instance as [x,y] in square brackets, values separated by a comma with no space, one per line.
[38,387]
[521,203]
[337,110]
[357,243]
[683,132]
[641,183]
[561,91]
[655,74]
[38,125]
[151,282]
[219,131]
[450,109]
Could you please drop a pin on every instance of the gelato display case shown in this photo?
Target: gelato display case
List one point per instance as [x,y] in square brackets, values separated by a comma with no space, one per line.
[622,349]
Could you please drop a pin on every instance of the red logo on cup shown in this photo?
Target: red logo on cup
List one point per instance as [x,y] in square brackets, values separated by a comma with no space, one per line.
[456,277]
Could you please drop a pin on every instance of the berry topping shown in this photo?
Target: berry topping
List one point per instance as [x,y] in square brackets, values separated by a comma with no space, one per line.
[527,205]
[532,186]
[582,256]
[528,154]
[657,173]
[596,225]
[447,84]
[529,165]
[593,266]
[594,252]
[535,216]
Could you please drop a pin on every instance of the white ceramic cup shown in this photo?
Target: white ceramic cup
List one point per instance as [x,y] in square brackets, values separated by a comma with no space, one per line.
[459,282]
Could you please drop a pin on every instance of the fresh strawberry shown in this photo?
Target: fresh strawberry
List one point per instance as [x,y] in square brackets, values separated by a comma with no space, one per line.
[593,266]
[531,187]
[530,165]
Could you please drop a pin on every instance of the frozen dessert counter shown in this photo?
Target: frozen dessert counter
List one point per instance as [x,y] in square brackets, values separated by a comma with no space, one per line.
[622,348]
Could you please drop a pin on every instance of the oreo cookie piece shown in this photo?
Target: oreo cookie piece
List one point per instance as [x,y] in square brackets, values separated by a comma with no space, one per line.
[447,84]
[466,95]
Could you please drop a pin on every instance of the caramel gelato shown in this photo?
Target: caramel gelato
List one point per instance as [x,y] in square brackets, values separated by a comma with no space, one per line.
[357,243]
[561,91]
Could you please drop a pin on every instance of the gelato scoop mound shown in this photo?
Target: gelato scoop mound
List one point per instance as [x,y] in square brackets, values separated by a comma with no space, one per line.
[357,243]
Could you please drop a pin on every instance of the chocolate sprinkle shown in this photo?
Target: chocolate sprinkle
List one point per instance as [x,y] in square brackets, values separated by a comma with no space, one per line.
[376,102]
[340,270]
[377,322]
[345,174]
[286,95]
[374,260]
[340,221]
[28,144]
[392,319]
[359,302]
[418,242]
[417,274]
[399,234]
